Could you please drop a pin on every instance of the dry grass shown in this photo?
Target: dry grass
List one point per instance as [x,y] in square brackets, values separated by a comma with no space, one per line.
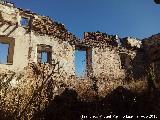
[24,94]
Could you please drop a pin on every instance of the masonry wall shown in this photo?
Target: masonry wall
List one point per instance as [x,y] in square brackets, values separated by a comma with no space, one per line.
[62,51]
[26,41]
[9,13]
[107,63]
[108,57]
[20,55]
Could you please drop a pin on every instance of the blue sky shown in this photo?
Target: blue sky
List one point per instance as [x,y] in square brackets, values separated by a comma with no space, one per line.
[3,53]
[135,18]
[80,61]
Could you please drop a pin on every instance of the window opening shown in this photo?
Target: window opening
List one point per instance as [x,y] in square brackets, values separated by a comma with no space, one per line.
[44,54]
[24,22]
[80,62]
[83,61]
[4,49]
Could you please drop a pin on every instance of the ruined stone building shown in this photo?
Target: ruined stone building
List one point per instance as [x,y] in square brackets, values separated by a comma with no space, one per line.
[30,36]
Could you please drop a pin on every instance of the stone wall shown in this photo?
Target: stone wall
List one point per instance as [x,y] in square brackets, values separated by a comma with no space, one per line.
[62,51]
[107,63]
[20,55]
[115,58]
[133,57]
[40,30]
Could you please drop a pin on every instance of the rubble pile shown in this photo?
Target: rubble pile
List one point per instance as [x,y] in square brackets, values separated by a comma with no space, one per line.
[6,3]
[99,39]
[4,20]
[131,43]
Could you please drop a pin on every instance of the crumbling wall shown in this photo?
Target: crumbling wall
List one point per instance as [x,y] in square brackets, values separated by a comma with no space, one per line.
[20,55]
[131,43]
[114,59]
[8,13]
[134,57]
[106,61]
[38,30]
[9,27]
[133,63]
[152,53]
[62,51]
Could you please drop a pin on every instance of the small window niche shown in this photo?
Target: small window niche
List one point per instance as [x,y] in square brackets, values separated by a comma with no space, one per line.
[24,21]
[83,61]
[44,53]
[6,50]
